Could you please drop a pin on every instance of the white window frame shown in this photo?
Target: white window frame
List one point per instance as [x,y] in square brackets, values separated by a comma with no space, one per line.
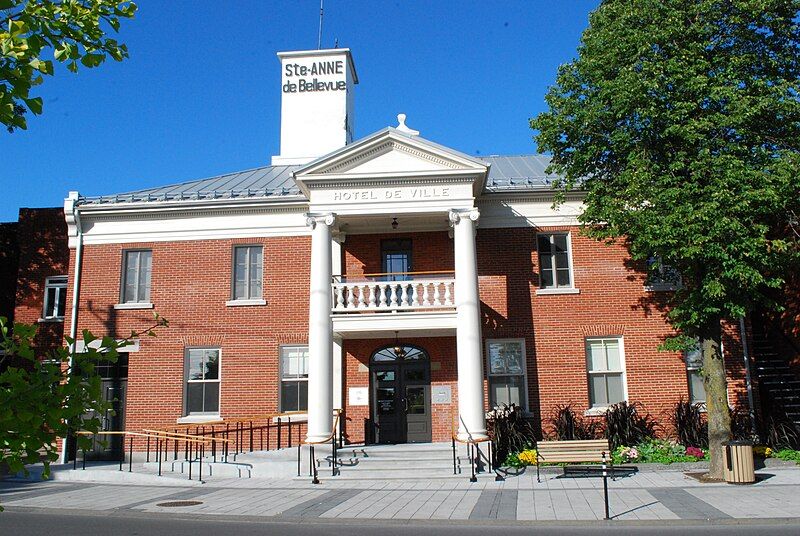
[187,381]
[524,402]
[123,280]
[571,288]
[281,379]
[61,283]
[694,369]
[249,298]
[623,371]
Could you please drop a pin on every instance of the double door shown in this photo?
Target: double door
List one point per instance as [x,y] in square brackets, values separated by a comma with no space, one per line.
[401,399]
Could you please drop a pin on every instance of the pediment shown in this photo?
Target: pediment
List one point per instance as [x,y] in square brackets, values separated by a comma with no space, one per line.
[390,152]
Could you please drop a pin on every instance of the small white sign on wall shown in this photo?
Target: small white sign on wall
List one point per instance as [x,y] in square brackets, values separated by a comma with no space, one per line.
[358,396]
[441,394]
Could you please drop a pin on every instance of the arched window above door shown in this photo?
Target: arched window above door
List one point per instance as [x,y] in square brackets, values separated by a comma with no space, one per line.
[399,352]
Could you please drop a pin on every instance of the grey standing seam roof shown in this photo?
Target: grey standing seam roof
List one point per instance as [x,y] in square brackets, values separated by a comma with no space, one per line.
[507,173]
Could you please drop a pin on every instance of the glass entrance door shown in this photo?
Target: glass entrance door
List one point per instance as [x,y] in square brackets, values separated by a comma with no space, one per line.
[401,395]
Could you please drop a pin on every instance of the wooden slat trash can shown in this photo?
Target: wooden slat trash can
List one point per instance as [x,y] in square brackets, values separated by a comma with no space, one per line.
[739,467]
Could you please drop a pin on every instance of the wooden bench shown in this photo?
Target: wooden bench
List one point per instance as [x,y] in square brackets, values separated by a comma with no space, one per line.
[576,451]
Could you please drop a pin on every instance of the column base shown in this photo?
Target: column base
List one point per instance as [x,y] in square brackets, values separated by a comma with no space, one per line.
[475,436]
[318,438]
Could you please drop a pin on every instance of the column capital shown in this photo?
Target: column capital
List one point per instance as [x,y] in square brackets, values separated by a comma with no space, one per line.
[313,218]
[456,215]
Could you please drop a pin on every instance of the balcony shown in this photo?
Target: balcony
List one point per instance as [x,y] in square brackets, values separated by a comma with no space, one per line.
[394,292]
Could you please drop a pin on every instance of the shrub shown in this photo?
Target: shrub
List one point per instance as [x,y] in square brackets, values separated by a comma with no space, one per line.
[690,424]
[782,433]
[625,426]
[510,431]
[567,425]
[787,454]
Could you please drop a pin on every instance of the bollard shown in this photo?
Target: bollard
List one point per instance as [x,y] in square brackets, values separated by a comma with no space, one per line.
[605,485]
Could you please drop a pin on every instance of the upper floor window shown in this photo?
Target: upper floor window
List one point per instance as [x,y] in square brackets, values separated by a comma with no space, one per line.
[136,265]
[248,268]
[55,297]
[202,380]
[555,265]
[694,364]
[660,276]
[605,363]
[396,259]
[294,378]
[506,359]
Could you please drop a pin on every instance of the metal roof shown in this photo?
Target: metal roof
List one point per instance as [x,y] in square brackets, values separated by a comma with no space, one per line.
[507,173]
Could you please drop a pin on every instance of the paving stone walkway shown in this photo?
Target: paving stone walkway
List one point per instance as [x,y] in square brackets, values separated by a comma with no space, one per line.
[659,495]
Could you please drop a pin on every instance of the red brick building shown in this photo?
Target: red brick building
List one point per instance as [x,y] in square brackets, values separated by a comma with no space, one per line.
[408,284]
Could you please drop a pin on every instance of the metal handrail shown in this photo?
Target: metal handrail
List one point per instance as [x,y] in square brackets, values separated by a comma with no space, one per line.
[332,438]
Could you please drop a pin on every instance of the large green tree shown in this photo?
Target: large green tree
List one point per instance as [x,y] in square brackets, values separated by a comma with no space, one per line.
[680,120]
[46,397]
[34,32]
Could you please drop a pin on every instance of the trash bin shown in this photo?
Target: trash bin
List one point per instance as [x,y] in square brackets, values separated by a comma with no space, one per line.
[739,468]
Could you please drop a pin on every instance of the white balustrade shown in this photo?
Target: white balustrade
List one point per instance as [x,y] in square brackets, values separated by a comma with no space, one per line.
[415,294]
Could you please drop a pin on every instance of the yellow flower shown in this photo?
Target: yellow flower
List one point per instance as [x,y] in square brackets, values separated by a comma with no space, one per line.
[763,451]
[528,457]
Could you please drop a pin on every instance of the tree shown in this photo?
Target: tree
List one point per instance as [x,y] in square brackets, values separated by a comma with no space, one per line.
[74,30]
[680,121]
[45,399]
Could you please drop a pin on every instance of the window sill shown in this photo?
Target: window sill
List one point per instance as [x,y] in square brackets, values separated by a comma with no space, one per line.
[549,291]
[198,419]
[58,319]
[245,303]
[135,305]
[660,288]
[596,412]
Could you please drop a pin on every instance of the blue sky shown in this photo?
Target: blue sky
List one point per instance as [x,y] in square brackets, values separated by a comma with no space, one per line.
[200,94]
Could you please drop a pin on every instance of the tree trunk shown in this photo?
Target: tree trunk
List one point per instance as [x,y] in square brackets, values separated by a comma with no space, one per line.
[719,419]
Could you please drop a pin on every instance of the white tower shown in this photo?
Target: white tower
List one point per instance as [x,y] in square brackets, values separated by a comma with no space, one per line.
[316,103]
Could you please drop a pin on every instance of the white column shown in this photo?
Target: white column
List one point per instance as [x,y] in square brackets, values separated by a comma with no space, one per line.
[336,269]
[472,421]
[320,330]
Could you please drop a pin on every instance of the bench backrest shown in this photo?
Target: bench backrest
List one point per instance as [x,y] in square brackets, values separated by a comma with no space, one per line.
[589,450]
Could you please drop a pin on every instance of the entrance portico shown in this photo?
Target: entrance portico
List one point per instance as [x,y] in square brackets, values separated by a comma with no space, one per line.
[361,189]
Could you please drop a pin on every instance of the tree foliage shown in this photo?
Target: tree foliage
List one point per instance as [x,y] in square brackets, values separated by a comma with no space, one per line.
[680,119]
[73,31]
[43,399]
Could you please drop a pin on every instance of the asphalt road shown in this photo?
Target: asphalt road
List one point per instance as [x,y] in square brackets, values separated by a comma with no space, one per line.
[15,522]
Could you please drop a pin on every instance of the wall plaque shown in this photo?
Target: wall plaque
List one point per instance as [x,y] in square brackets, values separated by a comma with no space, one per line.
[441,394]
[358,396]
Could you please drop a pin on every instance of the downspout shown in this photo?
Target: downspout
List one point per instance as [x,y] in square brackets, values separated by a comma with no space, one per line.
[748,377]
[72,202]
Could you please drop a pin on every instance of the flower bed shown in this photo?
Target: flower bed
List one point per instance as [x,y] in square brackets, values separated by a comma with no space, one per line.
[658,451]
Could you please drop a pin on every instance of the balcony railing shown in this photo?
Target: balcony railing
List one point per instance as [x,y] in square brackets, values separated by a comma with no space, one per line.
[397,291]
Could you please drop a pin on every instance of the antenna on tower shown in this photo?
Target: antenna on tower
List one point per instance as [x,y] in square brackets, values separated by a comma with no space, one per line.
[319,39]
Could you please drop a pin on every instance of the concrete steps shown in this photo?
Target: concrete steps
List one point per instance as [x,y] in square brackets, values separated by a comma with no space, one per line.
[400,462]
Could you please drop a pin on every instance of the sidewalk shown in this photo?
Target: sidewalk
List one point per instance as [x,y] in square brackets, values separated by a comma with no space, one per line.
[644,496]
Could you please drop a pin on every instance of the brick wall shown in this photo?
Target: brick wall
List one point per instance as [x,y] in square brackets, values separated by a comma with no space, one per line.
[9,262]
[191,281]
[43,252]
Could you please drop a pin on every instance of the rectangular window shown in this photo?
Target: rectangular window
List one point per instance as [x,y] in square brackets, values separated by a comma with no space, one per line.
[294,378]
[506,364]
[554,262]
[248,267]
[136,266]
[605,363]
[55,297]
[660,276]
[202,381]
[694,364]
[396,259]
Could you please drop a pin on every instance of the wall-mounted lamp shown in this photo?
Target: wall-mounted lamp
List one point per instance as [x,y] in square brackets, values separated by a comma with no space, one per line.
[394,223]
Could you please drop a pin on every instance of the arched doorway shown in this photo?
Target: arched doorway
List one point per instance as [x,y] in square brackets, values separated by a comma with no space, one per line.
[401,394]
